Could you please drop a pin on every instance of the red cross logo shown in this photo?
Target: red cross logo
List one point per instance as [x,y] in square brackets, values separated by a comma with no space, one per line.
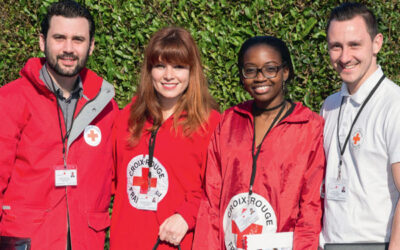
[92,135]
[252,229]
[356,138]
[143,181]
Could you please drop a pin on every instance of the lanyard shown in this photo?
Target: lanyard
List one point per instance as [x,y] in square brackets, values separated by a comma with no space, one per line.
[158,243]
[64,138]
[352,125]
[152,145]
[255,156]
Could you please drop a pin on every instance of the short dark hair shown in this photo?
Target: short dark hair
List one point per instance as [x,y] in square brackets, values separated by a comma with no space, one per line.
[347,11]
[272,42]
[69,9]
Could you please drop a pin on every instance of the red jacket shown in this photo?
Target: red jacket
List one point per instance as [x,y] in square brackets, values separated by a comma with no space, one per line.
[30,146]
[287,183]
[178,162]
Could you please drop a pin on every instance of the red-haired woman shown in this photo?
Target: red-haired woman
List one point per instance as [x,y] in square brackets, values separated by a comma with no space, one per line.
[160,147]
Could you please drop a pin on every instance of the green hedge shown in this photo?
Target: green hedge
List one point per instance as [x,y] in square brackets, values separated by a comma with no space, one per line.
[219,27]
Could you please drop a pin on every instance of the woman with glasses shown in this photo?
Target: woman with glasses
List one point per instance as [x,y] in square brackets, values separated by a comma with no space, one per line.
[161,141]
[265,162]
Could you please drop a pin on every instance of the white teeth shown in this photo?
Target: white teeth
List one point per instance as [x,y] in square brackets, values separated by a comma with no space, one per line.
[262,87]
[349,66]
[169,85]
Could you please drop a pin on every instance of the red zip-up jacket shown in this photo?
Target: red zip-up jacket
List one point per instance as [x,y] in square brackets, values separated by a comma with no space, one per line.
[31,206]
[286,191]
[176,174]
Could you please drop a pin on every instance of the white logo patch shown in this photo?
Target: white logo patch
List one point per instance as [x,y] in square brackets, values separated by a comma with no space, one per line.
[357,138]
[138,182]
[92,135]
[266,222]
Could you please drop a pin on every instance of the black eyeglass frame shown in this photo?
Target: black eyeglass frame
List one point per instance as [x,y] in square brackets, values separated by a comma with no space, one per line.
[278,68]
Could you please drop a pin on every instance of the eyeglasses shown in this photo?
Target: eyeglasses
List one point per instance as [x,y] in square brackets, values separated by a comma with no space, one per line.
[268,71]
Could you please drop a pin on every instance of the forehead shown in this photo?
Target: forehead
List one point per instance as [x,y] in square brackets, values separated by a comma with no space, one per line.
[352,29]
[72,26]
[262,54]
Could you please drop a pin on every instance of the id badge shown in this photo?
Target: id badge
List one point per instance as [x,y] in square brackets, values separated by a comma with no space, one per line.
[246,218]
[148,201]
[66,176]
[337,189]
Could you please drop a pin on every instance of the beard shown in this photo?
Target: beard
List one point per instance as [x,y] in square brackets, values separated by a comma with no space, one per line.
[52,62]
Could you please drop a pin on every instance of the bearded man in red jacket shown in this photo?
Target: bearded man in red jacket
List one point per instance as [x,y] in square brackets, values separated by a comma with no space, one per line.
[55,141]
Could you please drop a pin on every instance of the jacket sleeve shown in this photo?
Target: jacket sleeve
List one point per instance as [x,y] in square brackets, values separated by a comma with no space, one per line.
[207,232]
[13,119]
[308,225]
[189,209]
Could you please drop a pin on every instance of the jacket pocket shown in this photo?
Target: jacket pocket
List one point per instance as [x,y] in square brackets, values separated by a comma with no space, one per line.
[98,221]
[21,221]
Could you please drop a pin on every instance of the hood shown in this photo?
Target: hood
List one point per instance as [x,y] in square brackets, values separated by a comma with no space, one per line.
[32,68]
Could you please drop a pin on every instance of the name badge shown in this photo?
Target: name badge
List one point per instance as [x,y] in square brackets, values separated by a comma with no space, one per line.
[148,201]
[337,189]
[246,218]
[66,176]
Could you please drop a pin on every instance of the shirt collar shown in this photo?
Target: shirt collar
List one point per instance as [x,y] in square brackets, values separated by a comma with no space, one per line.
[45,77]
[364,89]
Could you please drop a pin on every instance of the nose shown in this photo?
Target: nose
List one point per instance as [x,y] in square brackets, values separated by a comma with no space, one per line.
[68,46]
[345,56]
[260,75]
[169,73]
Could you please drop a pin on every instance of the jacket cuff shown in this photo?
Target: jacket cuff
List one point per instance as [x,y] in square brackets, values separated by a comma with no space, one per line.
[189,213]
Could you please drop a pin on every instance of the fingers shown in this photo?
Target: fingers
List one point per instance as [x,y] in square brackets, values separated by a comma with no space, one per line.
[173,229]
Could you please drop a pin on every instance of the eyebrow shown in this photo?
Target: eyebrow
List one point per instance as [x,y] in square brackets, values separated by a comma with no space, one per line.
[347,42]
[73,37]
[330,44]
[270,62]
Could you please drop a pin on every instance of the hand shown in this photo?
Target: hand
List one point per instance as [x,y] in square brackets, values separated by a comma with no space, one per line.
[173,229]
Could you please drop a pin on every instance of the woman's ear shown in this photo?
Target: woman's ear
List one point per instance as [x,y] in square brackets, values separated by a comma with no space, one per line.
[285,73]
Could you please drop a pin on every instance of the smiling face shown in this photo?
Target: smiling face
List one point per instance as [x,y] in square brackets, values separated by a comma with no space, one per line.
[352,51]
[170,81]
[266,92]
[67,45]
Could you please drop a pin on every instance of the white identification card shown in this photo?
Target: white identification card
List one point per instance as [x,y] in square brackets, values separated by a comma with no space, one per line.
[148,201]
[66,176]
[337,189]
[246,218]
[270,241]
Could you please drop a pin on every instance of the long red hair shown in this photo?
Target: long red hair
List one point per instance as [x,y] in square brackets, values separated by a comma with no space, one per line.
[176,46]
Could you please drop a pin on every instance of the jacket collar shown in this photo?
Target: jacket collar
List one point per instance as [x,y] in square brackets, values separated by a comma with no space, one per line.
[297,116]
[91,82]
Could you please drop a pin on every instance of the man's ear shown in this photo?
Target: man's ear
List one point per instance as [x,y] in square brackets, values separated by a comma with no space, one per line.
[91,46]
[377,43]
[42,42]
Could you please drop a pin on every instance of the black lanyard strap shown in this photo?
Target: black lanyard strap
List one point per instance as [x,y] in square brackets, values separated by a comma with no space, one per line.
[255,156]
[342,150]
[152,145]
[64,138]
[158,243]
